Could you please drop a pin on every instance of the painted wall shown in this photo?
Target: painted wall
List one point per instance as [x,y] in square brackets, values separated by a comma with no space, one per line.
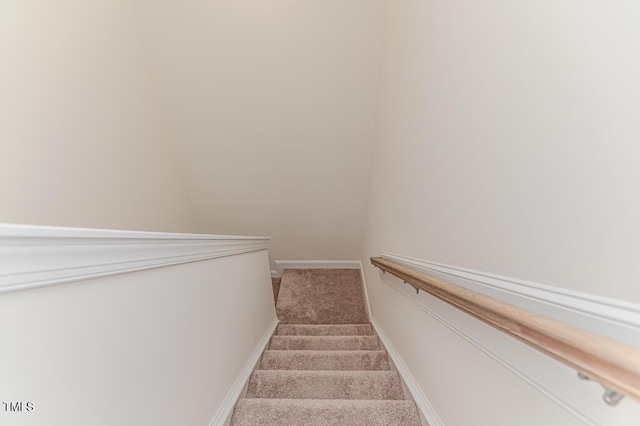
[82,140]
[273,104]
[507,143]
[155,347]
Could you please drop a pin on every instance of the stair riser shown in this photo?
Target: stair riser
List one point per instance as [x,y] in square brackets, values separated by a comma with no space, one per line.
[324,360]
[324,330]
[354,343]
[373,385]
[269,412]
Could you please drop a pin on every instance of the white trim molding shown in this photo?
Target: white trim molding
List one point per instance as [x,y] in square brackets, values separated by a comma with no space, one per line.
[281,265]
[366,292]
[34,256]
[614,319]
[225,411]
[423,404]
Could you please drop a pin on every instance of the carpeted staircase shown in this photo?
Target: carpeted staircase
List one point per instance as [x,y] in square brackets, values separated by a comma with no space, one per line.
[324,374]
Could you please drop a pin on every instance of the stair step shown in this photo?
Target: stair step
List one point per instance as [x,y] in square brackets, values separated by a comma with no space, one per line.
[324,360]
[314,412]
[295,384]
[353,343]
[324,330]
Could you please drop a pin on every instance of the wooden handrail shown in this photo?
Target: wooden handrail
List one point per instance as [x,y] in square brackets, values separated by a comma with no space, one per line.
[611,363]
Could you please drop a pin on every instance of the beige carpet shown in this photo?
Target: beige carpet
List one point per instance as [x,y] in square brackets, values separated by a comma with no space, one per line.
[326,385]
[335,375]
[321,296]
[322,412]
[325,330]
[324,360]
[335,343]
[324,366]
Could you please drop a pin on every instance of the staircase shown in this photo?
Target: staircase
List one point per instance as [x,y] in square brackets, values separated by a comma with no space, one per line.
[325,375]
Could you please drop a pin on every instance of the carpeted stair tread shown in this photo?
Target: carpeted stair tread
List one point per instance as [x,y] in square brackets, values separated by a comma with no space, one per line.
[324,330]
[324,360]
[314,412]
[324,343]
[375,385]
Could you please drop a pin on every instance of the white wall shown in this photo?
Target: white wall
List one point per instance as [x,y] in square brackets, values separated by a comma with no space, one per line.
[82,140]
[156,347]
[507,143]
[508,140]
[273,105]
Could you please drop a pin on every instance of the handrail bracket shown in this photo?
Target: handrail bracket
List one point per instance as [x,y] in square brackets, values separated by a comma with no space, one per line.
[610,396]
[416,288]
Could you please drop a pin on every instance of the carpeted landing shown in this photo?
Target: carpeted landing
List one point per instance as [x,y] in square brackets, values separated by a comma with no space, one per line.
[321,296]
[322,375]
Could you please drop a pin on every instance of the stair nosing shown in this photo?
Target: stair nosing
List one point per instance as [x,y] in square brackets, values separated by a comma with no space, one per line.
[324,351]
[337,372]
[333,336]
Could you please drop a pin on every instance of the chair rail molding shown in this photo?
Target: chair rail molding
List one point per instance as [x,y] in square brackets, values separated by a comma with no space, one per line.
[35,256]
[613,319]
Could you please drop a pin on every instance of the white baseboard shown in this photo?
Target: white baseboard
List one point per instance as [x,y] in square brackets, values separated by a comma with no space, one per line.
[425,407]
[314,264]
[223,415]
[366,293]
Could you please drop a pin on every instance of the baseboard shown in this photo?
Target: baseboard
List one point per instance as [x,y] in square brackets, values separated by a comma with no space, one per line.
[425,407]
[366,293]
[35,256]
[314,264]
[223,415]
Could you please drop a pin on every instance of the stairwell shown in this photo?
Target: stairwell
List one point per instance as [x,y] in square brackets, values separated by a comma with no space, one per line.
[324,365]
